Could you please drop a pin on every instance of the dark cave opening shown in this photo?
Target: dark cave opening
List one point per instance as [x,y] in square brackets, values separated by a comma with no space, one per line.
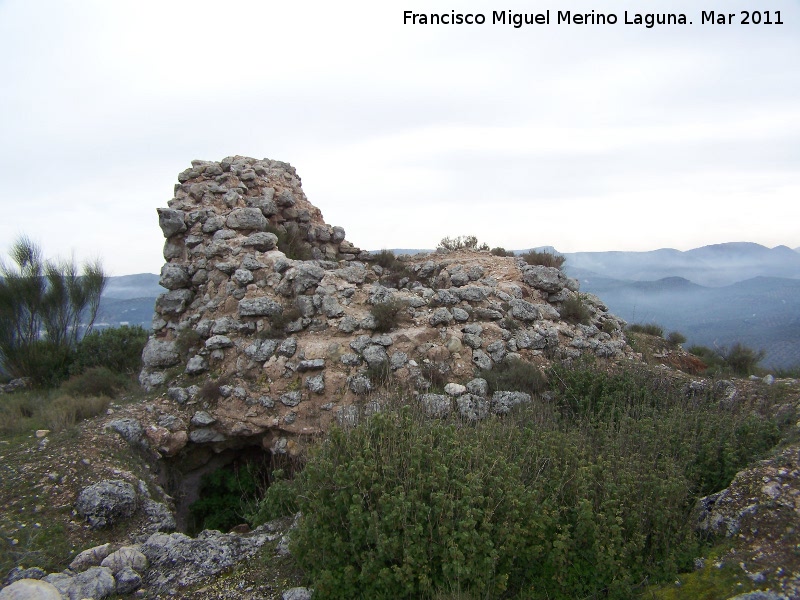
[217,490]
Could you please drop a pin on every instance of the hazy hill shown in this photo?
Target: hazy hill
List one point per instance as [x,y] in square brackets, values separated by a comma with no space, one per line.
[715,265]
[762,312]
[141,285]
[129,299]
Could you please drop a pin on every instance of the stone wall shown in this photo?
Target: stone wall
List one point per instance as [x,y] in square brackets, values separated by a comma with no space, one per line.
[268,330]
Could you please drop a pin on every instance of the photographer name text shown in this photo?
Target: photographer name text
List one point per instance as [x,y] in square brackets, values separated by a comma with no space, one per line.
[568,17]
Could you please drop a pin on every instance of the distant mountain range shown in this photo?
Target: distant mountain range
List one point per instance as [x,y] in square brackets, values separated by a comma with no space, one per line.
[717,265]
[129,300]
[715,295]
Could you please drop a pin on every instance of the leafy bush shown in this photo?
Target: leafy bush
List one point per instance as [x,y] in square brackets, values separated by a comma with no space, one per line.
[574,310]
[707,354]
[290,241]
[44,307]
[280,500]
[96,381]
[462,242]
[400,508]
[609,326]
[498,251]
[510,323]
[741,359]
[386,259]
[738,359]
[224,497]
[515,376]
[676,338]
[117,348]
[584,495]
[187,341]
[387,314]
[45,363]
[545,259]
[647,329]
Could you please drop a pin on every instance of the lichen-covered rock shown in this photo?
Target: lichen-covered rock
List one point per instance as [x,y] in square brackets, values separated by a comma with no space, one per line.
[174,302]
[129,429]
[125,557]
[18,573]
[171,221]
[247,218]
[177,560]
[259,307]
[91,557]
[298,593]
[30,589]
[546,279]
[159,354]
[472,407]
[128,581]
[436,405]
[107,502]
[503,402]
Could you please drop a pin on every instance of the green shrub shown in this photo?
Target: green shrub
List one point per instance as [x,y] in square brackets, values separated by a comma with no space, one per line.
[510,323]
[583,495]
[647,329]
[462,242]
[545,259]
[225,495]
[387,314]
[609,326]
[386,259]
[117,348]
[96,381]
[280,500]
[676,338]
[787,372]
[44,306]
[401,507]
[515,376]
[738,359]
[741,359]
[708,355]
[45,363]
[435,375]
[498,251]
[710,443]
[574,310]
[290,241]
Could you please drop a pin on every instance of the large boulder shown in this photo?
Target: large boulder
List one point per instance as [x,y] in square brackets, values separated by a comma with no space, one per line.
[107,502]
[30,589]
[159,354]
[177,560]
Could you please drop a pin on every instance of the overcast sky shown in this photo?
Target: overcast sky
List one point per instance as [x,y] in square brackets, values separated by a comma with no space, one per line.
[585,138]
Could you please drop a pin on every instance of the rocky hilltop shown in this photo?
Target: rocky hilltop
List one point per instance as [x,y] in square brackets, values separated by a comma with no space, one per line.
[292,324]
